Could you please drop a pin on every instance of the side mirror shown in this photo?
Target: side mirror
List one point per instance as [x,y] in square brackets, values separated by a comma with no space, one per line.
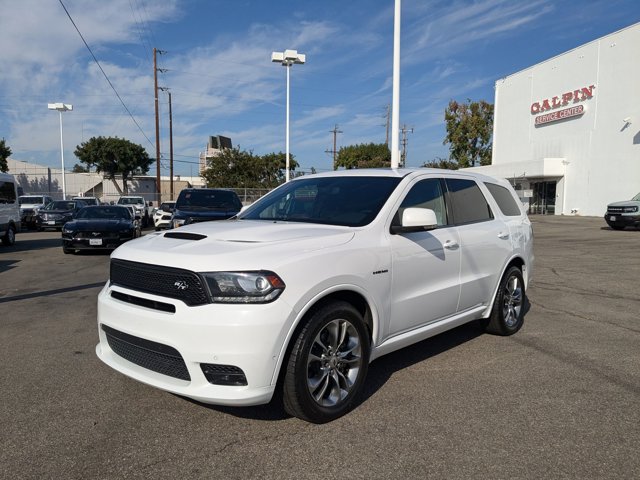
[416,220]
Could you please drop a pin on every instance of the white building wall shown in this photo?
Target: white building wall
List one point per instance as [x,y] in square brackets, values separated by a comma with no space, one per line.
[599,152]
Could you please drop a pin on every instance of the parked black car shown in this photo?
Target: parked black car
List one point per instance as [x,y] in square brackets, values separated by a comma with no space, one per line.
[57,213]
[204,204]
[102,227]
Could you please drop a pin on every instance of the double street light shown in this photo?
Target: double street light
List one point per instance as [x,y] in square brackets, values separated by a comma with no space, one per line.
[287,59]
[62,107]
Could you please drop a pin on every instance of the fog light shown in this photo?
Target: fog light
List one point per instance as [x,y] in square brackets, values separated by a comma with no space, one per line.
[224,375]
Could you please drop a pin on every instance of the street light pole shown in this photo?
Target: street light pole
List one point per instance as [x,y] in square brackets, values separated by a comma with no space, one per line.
[287,59]
[395,115]
[61,107]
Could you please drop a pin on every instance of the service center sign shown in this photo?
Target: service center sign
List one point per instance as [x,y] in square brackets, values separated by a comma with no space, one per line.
[555,103]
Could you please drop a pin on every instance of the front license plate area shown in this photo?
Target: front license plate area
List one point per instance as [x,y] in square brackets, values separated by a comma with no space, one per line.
[95,241]
[612,218]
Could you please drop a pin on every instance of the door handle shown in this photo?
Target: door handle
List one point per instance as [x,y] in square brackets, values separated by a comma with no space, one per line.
[503,235]
[451,244]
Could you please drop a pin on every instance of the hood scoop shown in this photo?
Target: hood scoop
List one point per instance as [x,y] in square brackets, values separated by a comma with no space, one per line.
[185,235]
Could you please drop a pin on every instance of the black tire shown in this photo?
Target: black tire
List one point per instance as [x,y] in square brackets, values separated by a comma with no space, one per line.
[327,365]
[507,314]
[9,238]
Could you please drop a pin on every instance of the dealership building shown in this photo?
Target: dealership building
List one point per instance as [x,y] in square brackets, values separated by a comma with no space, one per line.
[567,130]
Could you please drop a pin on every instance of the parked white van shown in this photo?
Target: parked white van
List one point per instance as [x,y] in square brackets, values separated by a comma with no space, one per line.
[9,209]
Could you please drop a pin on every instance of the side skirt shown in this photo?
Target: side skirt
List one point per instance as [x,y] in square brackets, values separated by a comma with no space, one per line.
[405,339]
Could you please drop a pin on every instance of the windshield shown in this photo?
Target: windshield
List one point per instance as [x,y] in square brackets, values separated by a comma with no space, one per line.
[88,200]
[347,201]
[636,198]
[130,201]
[167,206]
[208,200]
[61,205]
[30,200]
[106,213]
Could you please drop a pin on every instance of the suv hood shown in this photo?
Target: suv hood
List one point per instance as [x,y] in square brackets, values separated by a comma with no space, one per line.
[628,203]
[233,244]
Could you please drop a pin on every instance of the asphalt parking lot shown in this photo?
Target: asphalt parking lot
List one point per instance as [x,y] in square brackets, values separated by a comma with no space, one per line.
[560,399]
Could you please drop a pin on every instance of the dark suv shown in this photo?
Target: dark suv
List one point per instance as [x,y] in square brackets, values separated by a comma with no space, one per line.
[204,204]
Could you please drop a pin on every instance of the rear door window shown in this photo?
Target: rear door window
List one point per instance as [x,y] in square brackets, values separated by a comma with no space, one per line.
[467,201]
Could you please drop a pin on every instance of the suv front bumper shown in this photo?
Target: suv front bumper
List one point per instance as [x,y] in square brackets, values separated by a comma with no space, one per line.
[248,337]
[622,220]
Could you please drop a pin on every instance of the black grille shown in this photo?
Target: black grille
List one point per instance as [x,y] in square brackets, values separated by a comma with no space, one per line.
[615,209]
[164,281]
[145,353]
[143,302]
[223,374]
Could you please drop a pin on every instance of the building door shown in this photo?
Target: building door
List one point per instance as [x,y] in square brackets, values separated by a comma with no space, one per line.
[543,201]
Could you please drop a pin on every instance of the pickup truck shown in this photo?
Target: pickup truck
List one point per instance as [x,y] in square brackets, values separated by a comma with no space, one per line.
[623,214]
[143,209]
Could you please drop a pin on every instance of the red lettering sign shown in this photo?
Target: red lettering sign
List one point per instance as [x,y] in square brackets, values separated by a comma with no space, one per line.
[580,95]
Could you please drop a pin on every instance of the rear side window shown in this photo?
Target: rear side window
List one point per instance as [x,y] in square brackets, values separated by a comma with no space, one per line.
[467,201]
[7,192]
[507,204]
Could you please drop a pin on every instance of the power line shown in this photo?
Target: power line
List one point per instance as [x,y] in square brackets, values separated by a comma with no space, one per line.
[105,75]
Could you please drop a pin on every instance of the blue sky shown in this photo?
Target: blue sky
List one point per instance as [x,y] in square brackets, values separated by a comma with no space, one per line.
[223,82]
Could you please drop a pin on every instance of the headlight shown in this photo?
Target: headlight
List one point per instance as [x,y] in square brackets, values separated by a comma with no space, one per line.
[177,222]
[244,287]
[630,209]
[67,230]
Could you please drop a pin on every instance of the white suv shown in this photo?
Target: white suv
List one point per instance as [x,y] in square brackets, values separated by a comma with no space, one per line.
[314,281]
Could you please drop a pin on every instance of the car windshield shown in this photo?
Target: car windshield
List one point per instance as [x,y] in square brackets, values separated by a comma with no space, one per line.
[636,198]
[167,206]
[347,201]
[208,200]
[106,213]
[30,200]
[61,205]
[87,200]
[130,201]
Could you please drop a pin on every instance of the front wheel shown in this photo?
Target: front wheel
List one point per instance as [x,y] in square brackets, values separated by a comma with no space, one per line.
[507,314]
[9,238]
[327,365]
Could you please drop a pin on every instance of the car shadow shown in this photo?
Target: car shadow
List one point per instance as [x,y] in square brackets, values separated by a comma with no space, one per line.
[632,229]
[23,245]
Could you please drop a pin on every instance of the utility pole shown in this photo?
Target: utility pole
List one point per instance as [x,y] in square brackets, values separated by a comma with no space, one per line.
[155,93]
[404,131]
[335,132]
[170,150]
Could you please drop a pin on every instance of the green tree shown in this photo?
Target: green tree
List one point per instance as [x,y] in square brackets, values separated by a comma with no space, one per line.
[469,132]
[235,168]
[5,152]
[77,168]
[371,155]
[440,162]
[114,157]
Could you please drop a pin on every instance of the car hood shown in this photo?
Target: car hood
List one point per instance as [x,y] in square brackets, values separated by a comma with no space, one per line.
[200,214]
[627,203]
[233,244]
[56,212]
[98,225]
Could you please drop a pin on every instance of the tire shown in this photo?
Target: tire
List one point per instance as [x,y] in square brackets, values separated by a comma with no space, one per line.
[324,374]
[9,238]
[507,314]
